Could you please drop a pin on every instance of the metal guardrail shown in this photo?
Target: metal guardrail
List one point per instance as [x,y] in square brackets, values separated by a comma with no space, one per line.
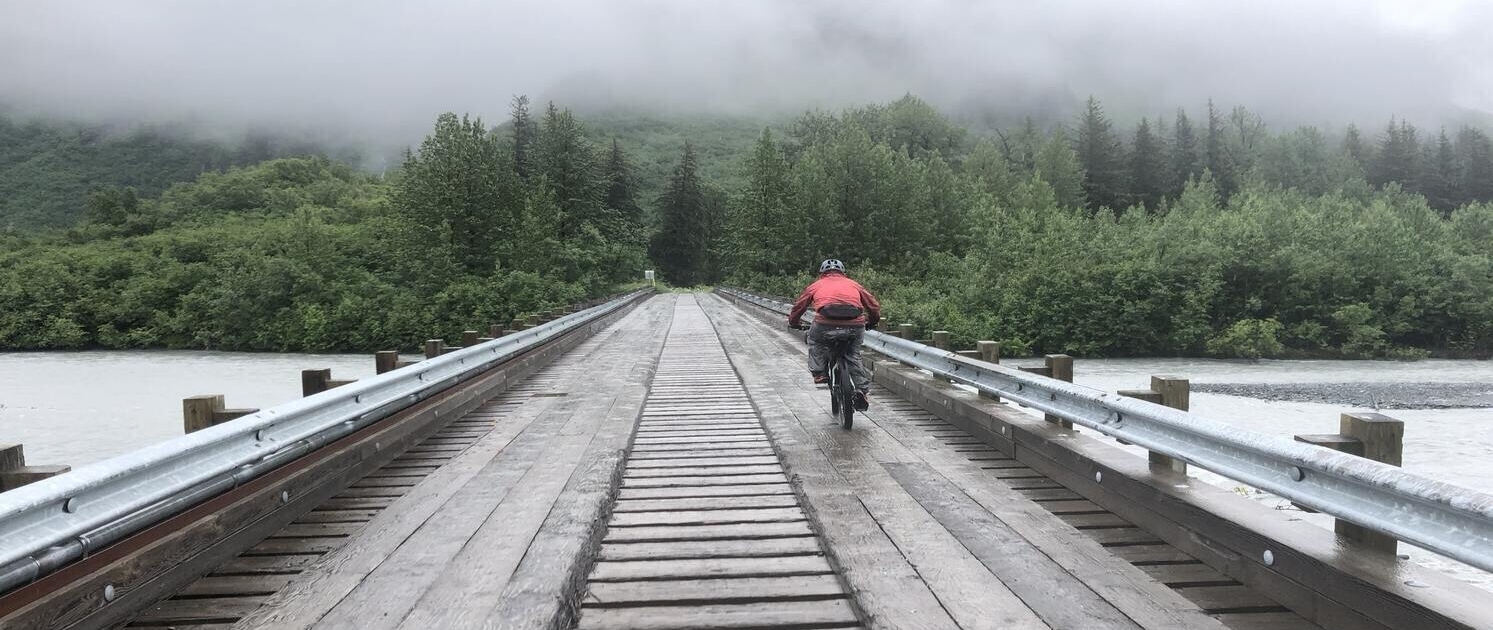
[46,525]
[1451,520]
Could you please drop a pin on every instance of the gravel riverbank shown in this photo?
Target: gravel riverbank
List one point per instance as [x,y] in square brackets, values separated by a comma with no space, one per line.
[1380,395]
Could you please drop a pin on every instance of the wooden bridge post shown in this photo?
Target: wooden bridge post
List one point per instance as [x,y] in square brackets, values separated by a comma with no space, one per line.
[515,326]
[201,412]
[1372,436]
[1383,440]
[496,330]
[990,352]
[941,339]
[907,331]
[1060,367]
[531,321]
[434,348]
[385,361]
[1174,392]
[468,338]
[14,472]
[317,381]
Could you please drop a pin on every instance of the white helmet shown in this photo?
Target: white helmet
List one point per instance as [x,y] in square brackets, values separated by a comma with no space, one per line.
[831,265]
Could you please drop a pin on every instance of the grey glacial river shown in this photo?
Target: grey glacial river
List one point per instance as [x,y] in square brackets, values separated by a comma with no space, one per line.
[81,407]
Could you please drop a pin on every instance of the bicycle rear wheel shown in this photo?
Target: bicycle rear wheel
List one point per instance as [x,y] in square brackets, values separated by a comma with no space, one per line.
[843,395]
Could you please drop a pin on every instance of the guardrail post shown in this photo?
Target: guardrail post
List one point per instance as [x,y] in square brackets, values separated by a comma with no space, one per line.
[385,361]
[1060,367]
[990,352]
[434,348]
[907,331]
[531,321]
[1170,391]
[515,326]
[201,412]
[941,339]
[14,472]
[468,338]
[1383,440]
[317,381]
[1372,436]
[496,330]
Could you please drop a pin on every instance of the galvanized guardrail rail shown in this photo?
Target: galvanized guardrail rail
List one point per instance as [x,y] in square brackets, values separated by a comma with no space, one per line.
[1451,520]
[49,524]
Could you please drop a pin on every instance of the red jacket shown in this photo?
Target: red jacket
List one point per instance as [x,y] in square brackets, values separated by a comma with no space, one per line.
[834,288]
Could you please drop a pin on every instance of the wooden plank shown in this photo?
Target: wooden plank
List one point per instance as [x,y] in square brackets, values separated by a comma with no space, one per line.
[236,585]
[708,532]
[715,590]
[703,549]
[1057,596]
[1159,553]
[705,471]
[692,440]
[273,546]
[812,614]
[203,610]
[337,516]
[760,460]
[626,494]
[1195,574]
[1266,621]
[1220,599]
[689,569]
[1122,536]
[705,480]
[260,565]
[735,450]
[707,503]
[1103,520]
[702,445]
[707,517]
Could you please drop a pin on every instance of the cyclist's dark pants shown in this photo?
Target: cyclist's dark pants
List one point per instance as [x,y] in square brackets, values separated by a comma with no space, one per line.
[819,334]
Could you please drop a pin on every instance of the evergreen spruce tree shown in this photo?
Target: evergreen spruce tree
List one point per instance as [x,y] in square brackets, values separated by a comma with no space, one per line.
[1474,166]
[1185,161]
[1102,158]
[760,224]
[1220,159]
[682,247]
[569,164]
[1147,162]
[1439,180]
[622,190]
[1398,158]
[523,137]
[1354,147]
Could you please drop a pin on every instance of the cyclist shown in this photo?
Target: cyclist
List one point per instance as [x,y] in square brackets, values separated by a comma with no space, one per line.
[843,310]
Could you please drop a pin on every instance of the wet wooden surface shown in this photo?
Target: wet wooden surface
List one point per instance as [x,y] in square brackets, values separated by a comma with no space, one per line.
[680,471]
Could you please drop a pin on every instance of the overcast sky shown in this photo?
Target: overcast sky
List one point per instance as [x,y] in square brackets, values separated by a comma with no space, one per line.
[381,70]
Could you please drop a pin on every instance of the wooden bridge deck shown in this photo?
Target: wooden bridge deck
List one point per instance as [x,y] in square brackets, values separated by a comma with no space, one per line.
[678,471]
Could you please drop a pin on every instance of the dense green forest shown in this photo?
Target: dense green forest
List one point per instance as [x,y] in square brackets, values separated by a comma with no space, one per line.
[1216,238]
[1200,233]
[310,254]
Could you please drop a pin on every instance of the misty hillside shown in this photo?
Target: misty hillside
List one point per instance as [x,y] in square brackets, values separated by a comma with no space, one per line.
[48,168]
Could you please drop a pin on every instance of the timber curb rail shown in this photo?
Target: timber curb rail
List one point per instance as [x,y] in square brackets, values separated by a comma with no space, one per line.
[1449,519]
[51,523]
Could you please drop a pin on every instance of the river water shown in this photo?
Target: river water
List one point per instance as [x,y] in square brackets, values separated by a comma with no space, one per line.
[80,407]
